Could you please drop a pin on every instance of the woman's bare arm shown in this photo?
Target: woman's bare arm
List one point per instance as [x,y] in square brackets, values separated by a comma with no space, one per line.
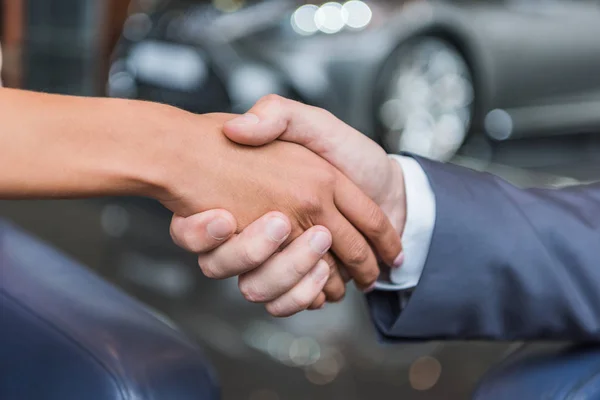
[65,146]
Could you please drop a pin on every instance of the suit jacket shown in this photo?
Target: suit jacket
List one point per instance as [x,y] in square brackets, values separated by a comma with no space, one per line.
[504,263]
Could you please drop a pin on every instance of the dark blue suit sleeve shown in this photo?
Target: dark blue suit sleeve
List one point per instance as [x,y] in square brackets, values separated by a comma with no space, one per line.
[504,263]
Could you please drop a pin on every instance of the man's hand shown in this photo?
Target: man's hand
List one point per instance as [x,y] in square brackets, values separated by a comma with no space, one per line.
[255,181]
[359,158]
[285,278]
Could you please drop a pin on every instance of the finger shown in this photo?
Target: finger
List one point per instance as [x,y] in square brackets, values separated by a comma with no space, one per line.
[275,117]
[264,122]
[340,269]
[352,249]
[335,288]
[204,231]
[301,296]
[369,219]
[319,302]
[286,269]
[246,251]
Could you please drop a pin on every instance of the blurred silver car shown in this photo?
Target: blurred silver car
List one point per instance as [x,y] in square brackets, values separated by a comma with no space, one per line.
[424,77]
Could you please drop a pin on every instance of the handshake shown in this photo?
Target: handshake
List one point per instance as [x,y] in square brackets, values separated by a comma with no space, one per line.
[287,197]
[296,203]
[291,200]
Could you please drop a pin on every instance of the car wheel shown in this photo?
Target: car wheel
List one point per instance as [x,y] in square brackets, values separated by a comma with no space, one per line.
[426,99]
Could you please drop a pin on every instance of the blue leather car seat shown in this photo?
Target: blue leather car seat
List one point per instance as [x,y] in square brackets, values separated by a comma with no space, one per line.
[559,375]
[66,334]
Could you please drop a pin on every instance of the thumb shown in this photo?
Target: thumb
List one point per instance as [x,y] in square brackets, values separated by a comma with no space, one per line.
[354,154]
[274,117]
[262,124]
[250,130]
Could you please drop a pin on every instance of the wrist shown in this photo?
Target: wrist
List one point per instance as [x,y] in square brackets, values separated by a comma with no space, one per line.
[185,155]
[169,136]
[145,134]
[394,205]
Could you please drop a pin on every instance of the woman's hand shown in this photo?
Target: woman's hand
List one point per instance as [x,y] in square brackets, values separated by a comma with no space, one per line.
[302,199]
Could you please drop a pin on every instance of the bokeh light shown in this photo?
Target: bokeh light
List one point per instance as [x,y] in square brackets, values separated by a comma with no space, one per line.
[304,351]
[498,124]
[424,373]
[303,20]
[330,18]
[357,14]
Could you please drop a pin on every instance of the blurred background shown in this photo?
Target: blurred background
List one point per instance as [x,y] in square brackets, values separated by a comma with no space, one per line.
[511,87]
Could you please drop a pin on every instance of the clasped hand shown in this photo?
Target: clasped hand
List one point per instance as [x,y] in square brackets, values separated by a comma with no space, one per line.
[294,218]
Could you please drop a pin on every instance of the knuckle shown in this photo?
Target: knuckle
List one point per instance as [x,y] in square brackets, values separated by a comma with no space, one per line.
[378,222]
[296,271]
[367,276]
[250,257]
[275,310]
[272,99]
[371,276]
[311,204]
[249,290]
[326,115]
[335,289]
[192,241]
[336,295]
[317,304]
[211,271]
[358,253]
[300,301]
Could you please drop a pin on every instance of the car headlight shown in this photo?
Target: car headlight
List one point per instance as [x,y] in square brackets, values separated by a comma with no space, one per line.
[426,107]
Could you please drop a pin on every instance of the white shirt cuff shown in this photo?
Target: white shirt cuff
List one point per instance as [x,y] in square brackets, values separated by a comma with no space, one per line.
[420,221]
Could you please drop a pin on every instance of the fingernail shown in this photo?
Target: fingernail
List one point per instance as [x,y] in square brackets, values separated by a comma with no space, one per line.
[321,272]
[398,261]
[369,289]
[246,119]
[219,228]
[322,306]
[277,229]
[320,242]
